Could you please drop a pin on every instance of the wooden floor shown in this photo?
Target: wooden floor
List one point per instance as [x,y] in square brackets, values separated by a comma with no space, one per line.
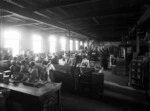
[115,78]
[117,97]
[74,102]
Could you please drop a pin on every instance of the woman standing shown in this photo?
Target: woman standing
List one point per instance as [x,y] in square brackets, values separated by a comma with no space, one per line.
[43,74]
[50,69]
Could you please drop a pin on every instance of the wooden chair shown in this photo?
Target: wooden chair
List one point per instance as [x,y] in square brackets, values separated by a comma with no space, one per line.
[85,81]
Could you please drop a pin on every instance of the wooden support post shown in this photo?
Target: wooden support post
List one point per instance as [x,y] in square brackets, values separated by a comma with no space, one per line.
[149,71]
[149,58]
[69,41]
[137,44]
[0,37]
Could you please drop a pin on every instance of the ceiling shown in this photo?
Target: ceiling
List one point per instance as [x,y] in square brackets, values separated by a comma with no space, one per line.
[106,20]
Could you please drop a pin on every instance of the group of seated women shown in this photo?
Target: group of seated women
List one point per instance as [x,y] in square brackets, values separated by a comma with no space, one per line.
[28,71]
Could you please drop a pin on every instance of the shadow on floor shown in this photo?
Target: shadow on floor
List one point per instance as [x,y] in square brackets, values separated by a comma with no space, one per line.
[73,102]
[118,79]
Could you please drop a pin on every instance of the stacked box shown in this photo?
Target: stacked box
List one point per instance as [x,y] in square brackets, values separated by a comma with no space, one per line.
[136,77]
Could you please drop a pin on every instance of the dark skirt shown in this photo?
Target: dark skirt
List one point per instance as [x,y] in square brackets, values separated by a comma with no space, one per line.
[51,75]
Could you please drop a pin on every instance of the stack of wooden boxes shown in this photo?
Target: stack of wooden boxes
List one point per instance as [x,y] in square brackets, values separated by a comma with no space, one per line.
[136,76]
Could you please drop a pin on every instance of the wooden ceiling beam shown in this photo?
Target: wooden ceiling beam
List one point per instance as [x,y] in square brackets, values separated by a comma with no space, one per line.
[24,24]
[7,15]
[105,30]
[20,24]
[4,14]
[95,20]
[108,13]
[126,23]
[145,16]
[32,16]
[61,3]
[24,3]
[105,22]
[93,30]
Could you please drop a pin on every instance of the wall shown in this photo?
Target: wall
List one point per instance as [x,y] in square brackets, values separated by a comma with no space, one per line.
[26,40]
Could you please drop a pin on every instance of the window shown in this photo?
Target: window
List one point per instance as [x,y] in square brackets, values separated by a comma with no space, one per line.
[85,44]
[77,45]
[12,41]
[52,41]
[63,44]
[71,45]
[37,44]
[81,43]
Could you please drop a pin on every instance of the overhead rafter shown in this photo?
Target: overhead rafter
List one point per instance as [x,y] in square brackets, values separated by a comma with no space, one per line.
[3,16]
[145,16]
[62,3]
[24,24]
[115,12]
[97,29]
[21,3]
[95,20]
[118,23]
[33,8]
[27,13]
[62,11]
[15,3]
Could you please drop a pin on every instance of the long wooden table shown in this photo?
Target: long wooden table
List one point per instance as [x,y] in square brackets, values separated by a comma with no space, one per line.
[33,98]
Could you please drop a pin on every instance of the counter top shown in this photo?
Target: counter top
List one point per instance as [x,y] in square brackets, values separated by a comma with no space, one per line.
[38,92]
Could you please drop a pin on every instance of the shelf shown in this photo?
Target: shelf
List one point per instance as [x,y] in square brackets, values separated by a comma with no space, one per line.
[137,78]
[136,84]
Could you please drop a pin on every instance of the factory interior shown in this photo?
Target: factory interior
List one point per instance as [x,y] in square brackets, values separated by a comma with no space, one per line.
[74,55]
